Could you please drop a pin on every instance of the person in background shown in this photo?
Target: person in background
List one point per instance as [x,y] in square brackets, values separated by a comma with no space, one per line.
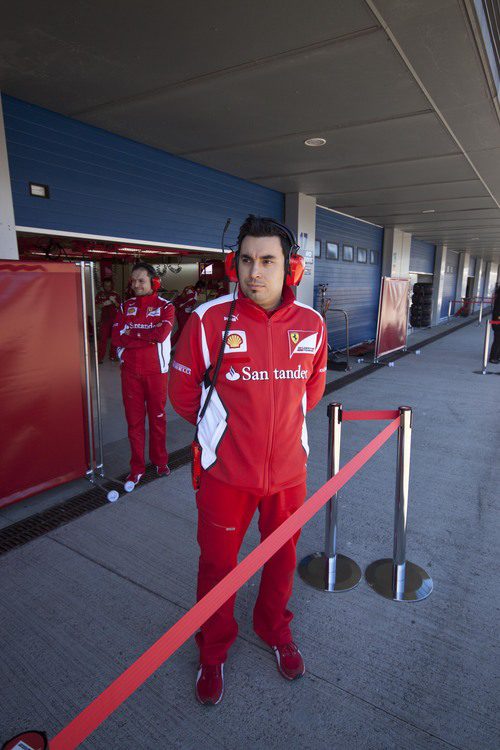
[495,315]
[108,302]
[141,333]
[184,305]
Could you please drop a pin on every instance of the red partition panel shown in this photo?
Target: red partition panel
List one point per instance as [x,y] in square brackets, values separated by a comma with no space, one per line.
[42,384]
[392,316]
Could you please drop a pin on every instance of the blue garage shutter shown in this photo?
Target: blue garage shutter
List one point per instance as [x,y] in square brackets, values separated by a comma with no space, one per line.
[353,285]
[450,281]
[103,184]
[421,256]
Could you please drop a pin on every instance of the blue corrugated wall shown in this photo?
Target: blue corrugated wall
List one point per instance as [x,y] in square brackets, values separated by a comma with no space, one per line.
[450,281]
[101,183]
[353,286]
[421,256]
[472,266]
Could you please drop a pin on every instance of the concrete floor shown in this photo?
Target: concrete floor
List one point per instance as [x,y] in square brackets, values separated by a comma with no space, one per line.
[83,602]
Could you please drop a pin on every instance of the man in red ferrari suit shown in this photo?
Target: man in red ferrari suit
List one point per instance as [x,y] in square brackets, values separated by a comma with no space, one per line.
[253,435]
[141,333]
[184,305]
[108,302]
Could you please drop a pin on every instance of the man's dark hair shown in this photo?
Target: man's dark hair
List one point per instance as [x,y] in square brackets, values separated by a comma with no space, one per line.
[199,285]
[142,265]
[263,226]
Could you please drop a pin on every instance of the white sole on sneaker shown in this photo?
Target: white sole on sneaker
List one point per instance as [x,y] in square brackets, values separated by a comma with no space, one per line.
[223,688]
[282,673]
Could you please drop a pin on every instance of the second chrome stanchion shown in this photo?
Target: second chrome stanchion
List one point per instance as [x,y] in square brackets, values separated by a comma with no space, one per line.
[397,578]
[329,570]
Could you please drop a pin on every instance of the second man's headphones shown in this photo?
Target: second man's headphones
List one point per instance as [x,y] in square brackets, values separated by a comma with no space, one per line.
[294,263]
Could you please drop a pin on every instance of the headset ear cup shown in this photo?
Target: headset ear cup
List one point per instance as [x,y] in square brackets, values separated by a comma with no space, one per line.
[155,283]
[296,268]
[230,266]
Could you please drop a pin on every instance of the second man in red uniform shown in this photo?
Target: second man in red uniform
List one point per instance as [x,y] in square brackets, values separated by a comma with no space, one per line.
[141,333]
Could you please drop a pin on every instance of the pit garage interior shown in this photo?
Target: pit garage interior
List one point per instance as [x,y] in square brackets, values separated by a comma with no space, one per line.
[128,135]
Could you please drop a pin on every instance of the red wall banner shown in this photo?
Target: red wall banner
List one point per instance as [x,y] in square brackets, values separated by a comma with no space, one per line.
[42,383]
[392,316]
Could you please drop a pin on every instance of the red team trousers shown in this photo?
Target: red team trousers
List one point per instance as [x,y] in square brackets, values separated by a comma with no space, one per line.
[224,514]
[141,393]
[104,334]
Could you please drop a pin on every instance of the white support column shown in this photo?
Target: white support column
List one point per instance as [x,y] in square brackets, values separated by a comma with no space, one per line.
[463,272]
[478,275]
[438,283]
[300,215]
[491,277]
[8,238]
[396,253]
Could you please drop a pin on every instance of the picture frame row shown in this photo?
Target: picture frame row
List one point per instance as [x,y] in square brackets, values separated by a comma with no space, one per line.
[332,252]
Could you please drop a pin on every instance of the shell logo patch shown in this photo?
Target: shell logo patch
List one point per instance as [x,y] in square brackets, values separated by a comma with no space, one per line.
[132,311]
[302,342]
[236,342]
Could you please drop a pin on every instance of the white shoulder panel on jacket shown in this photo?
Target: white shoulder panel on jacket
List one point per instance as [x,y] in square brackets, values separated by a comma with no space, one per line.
[202,309]
[308,307]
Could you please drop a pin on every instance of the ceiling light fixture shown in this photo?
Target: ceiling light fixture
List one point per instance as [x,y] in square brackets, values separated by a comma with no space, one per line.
[315,142]
[429,211]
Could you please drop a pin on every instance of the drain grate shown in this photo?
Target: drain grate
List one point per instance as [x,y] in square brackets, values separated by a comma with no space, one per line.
[24,531]
[31,528]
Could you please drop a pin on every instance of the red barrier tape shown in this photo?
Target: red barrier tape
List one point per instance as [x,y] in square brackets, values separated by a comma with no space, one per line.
[134,676]
[352,416]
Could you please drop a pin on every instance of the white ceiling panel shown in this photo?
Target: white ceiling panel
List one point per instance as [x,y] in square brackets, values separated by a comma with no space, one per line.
[354,80]
[412,136]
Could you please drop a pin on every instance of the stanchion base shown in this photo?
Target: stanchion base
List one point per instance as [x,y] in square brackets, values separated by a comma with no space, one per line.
[323,573]
[418,583]
[31,740]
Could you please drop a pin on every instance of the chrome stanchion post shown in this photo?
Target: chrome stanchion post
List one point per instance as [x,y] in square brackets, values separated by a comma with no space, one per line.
[347,366]
[399,579]
[100,465]
[486,345]
[90,426]
[334,437]
[329,570]
[480,311]
[449,310]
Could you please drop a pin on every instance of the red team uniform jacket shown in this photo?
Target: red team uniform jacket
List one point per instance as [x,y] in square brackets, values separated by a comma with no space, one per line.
[186,301]
[253,434]
[141,334]
[108,309]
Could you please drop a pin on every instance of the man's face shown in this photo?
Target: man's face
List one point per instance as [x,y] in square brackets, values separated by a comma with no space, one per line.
[261,270]
[140,282]
[106,284]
